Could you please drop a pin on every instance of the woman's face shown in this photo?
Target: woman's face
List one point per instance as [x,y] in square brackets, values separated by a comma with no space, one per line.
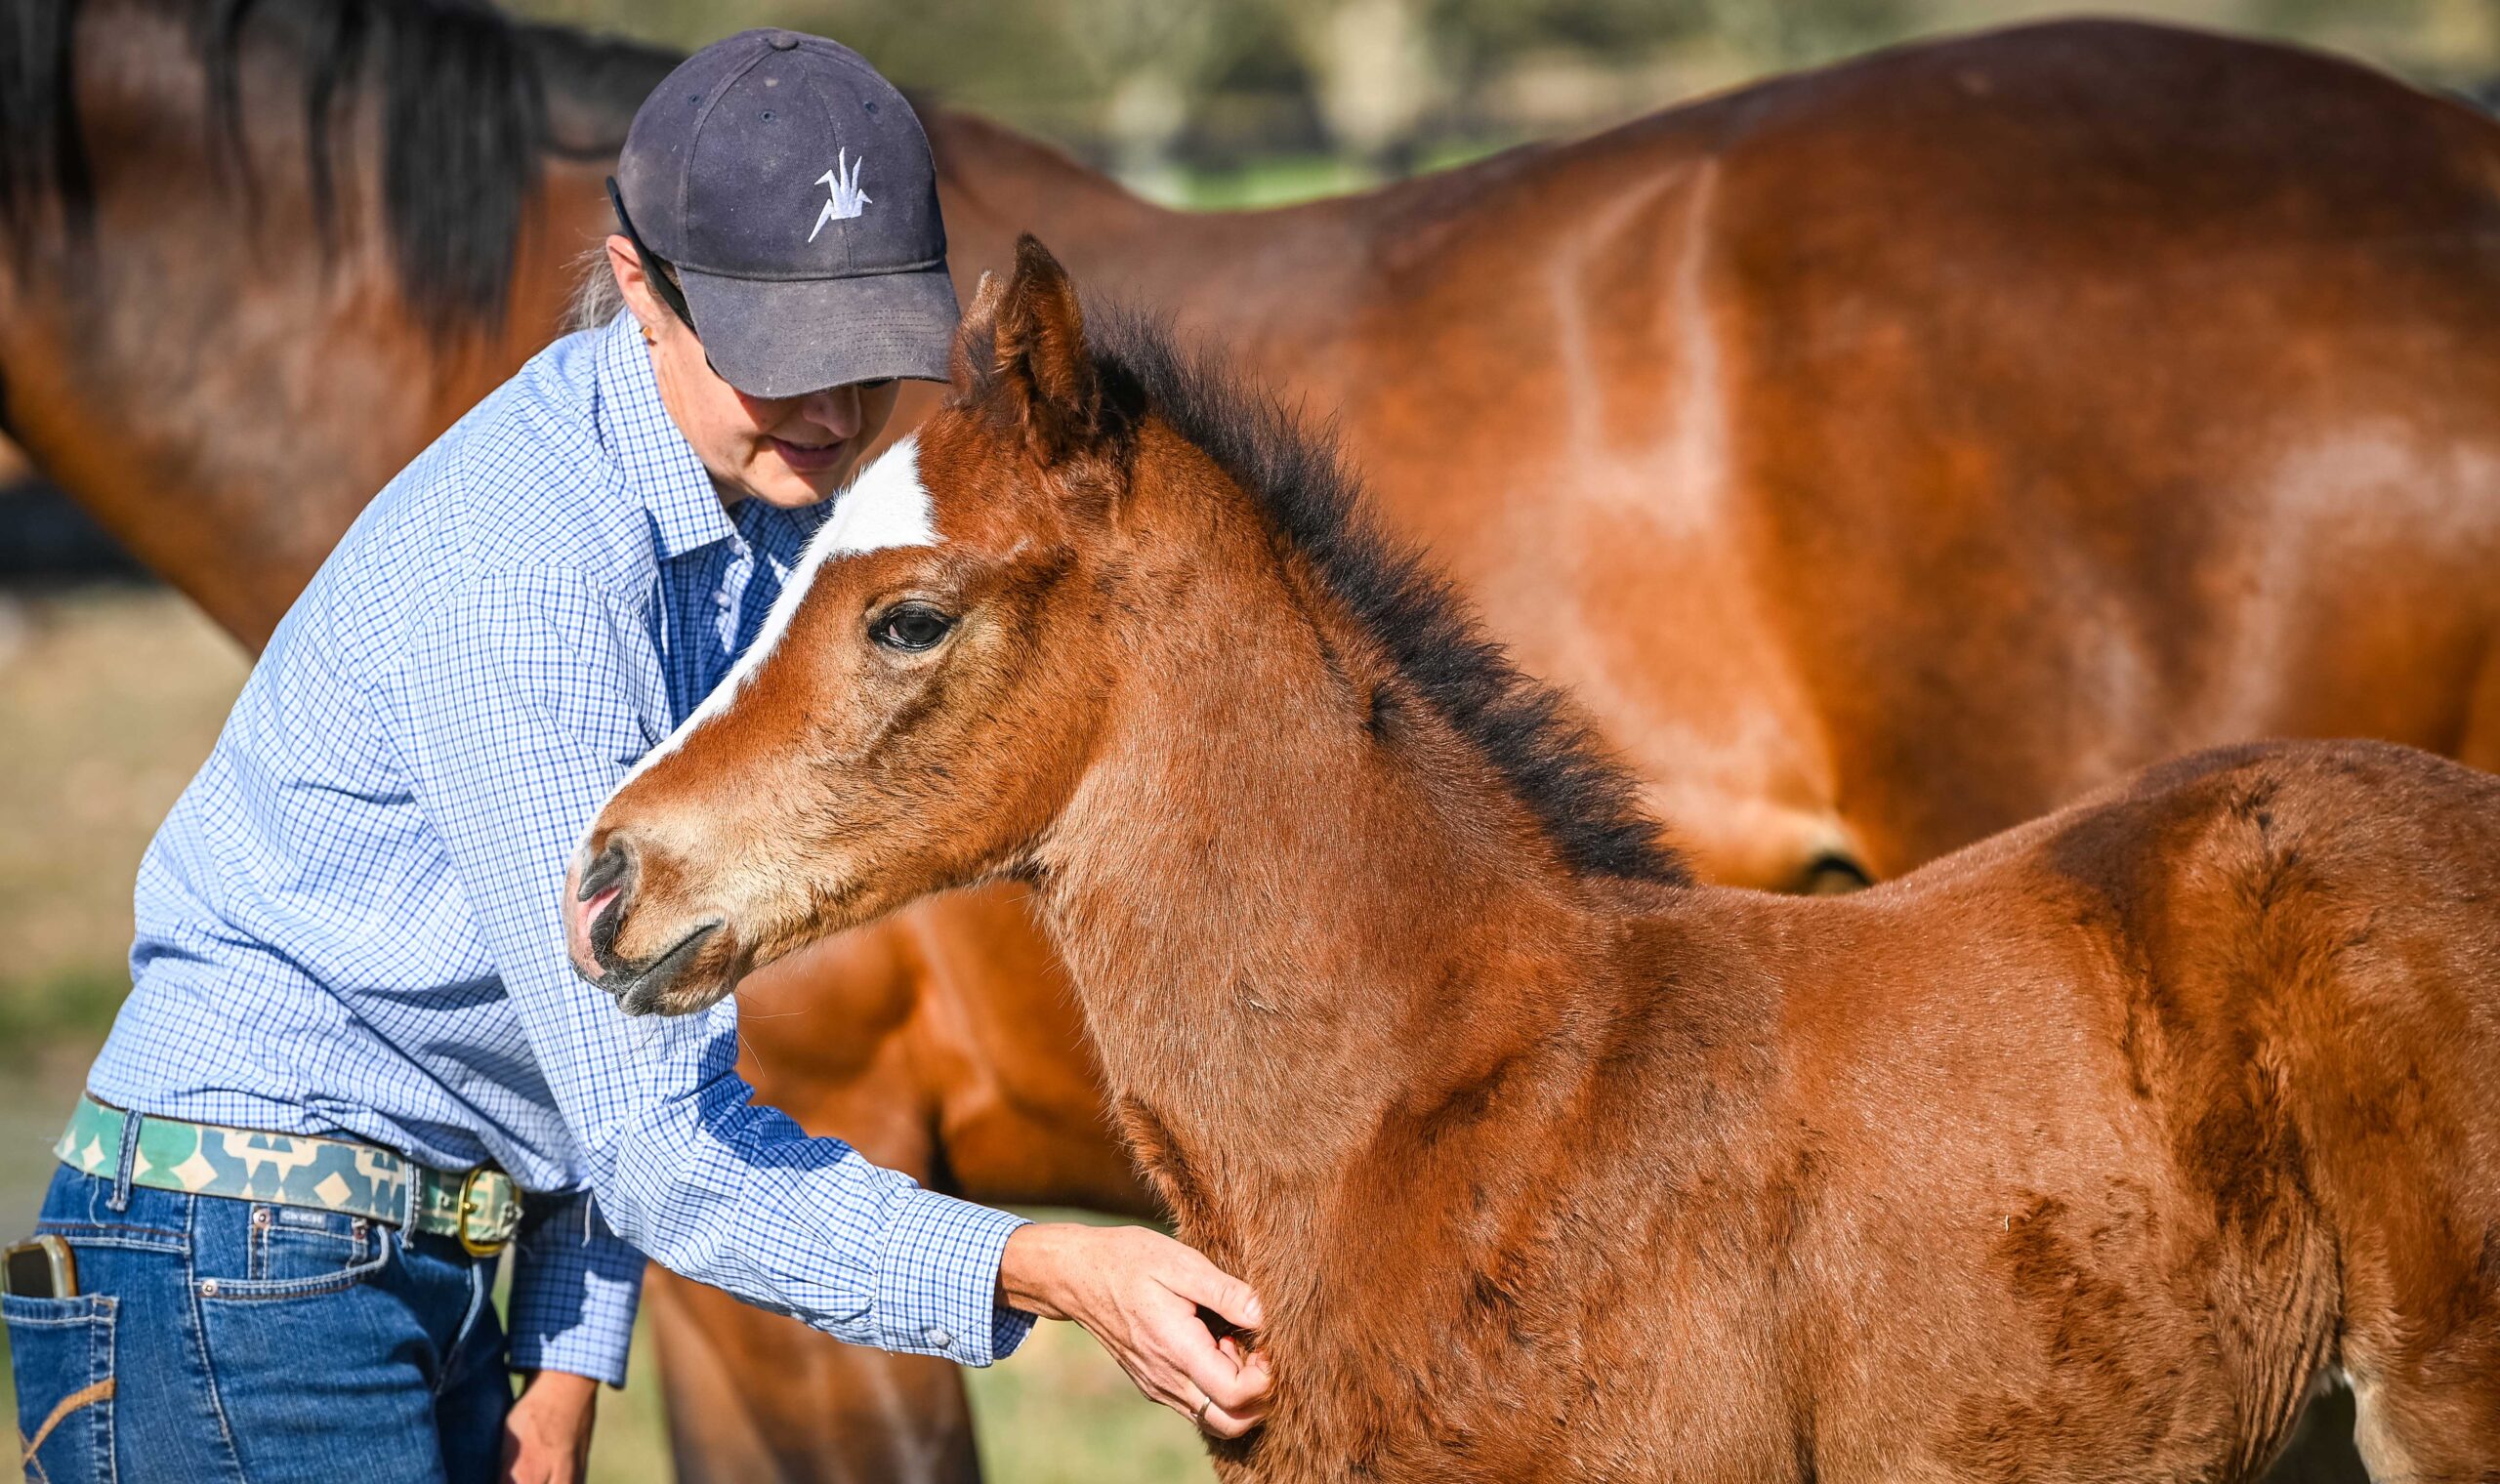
[789,451]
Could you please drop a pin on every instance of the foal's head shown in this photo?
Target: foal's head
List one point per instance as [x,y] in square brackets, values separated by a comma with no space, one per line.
[921,702]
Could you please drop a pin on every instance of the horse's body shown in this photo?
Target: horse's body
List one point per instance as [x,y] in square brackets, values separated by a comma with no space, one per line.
[1885,455]
[2086,1153]
[2083,1154]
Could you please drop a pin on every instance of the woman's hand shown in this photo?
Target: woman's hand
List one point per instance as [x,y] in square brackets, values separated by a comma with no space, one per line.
[1139,1292]
[547,1431]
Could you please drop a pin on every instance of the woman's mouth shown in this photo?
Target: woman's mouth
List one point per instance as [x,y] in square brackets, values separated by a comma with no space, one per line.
[810,458]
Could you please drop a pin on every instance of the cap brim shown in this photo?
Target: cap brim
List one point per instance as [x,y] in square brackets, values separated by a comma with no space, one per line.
[787,337]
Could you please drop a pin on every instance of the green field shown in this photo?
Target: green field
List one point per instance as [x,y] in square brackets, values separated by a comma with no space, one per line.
[108,701]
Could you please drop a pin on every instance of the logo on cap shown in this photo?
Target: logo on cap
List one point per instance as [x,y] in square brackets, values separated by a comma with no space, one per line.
[842,184]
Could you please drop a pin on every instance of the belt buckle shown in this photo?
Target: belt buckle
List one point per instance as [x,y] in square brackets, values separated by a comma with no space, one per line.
[470,1207]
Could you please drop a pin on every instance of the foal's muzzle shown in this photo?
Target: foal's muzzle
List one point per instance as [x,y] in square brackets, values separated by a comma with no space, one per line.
[597,906]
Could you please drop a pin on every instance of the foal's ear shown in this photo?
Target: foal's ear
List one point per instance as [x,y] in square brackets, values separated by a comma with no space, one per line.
[1040,371]
[973,336]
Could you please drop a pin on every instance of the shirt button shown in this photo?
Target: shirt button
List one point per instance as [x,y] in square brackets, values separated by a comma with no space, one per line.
[938,1337]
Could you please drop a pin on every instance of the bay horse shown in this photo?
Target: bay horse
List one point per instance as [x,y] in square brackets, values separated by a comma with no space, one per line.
[2082,1154]
[1886,454]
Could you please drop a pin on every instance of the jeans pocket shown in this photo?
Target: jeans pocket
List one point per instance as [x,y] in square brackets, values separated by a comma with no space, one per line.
[291,1245]
[61,1352]
[294,1253]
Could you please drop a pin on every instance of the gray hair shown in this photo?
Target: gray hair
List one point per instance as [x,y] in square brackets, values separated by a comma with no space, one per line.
[597,299]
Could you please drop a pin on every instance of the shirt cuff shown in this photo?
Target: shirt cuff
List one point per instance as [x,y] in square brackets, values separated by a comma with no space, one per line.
[937,1282]
[575,1284]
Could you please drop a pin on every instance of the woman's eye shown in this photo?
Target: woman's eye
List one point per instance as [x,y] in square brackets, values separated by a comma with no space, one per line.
[913,626]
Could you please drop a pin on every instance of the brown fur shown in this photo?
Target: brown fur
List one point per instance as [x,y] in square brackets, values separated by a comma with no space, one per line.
[1884,454]
[2081,1154]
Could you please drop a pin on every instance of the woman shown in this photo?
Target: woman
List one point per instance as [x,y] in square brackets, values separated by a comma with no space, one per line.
[355,1063]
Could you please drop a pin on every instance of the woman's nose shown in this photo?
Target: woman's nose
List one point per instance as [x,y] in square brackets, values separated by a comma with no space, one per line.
[836,409]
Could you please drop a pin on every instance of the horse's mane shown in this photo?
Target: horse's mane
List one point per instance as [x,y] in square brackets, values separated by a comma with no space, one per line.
[1530,732]
[463,121]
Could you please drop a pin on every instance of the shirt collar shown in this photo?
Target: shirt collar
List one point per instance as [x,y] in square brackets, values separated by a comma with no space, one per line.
[780,534]
[634,426]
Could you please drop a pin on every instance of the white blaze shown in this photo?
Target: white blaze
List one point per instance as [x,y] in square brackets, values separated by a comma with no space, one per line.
[885,507]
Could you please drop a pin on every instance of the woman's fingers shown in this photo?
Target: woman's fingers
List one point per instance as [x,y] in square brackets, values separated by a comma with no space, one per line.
[1213,1372]
[1241,1390]
[1200,1281]
[1254,1381]
[1140,1293]
[1175,1361]
[1214,1422]
[1221,1421]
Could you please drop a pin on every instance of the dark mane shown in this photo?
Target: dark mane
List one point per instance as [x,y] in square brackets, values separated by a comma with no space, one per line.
[1529,731]
[463,119]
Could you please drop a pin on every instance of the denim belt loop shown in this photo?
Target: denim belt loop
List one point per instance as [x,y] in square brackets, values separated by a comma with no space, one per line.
[126,1167]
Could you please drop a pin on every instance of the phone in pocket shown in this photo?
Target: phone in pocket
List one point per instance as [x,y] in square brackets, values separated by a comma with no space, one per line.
[39,1268]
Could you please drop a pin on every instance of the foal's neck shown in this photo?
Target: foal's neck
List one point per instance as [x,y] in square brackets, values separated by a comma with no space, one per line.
[1291,892]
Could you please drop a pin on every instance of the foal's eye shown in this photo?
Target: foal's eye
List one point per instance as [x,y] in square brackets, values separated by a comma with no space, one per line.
[910,627]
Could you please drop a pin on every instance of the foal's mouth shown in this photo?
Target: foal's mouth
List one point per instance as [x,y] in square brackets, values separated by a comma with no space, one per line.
[646,990]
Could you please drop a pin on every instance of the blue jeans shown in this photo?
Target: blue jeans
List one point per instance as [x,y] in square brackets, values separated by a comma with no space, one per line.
[220,1340]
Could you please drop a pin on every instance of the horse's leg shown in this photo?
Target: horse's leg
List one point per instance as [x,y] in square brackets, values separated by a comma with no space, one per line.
[943,1044]
[2433,1417]
[756,1397]
[2426,1431]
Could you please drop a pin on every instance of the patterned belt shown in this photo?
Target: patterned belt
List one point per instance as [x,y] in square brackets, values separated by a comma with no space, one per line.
[479,1207]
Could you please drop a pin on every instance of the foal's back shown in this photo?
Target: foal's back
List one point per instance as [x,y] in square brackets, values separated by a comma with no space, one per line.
[2085,1152]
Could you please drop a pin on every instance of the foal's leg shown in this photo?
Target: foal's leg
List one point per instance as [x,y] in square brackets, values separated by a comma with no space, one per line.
[2446,1430]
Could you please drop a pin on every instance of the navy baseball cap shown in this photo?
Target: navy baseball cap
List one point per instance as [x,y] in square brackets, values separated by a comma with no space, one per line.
[792,190]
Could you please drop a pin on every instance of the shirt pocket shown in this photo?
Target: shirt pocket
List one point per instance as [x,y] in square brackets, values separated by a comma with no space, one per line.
[61,1353]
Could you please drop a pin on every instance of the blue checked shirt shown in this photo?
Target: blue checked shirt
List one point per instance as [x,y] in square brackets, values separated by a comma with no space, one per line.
[349,926]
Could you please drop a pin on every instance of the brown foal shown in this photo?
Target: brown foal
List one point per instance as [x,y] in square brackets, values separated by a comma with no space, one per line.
[2084,1153]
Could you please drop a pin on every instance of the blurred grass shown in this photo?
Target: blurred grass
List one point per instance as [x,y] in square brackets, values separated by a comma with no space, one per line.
[109,700]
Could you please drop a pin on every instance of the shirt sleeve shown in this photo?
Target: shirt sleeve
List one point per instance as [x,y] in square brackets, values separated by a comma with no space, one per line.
[575,1284]
[517,714]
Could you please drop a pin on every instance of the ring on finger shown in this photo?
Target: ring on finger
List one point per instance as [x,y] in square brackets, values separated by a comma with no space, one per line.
[1199,1416]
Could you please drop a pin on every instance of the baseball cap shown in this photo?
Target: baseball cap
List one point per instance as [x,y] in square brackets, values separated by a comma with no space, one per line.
[792,190]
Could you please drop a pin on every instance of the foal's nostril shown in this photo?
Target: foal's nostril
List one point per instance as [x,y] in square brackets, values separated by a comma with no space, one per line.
[611,875]
[613,865]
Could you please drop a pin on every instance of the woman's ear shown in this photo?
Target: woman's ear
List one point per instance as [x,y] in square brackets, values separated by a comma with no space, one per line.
[635,288]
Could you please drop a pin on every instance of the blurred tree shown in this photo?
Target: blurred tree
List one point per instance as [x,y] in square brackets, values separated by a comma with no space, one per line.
[1149,60]
[1131,81]
[1775,35]
[1374,71]
[2455,41]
